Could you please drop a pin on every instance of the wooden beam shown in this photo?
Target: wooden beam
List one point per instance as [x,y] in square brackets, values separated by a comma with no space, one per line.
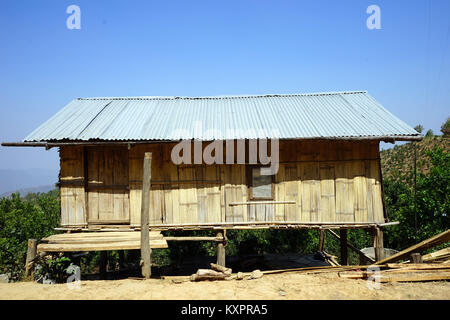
[259,202]
[100,246]
[217,239]
[442,254]
[145,213]
[31,255]
[86,182]
[428,243]
[221,249]
[378,243]
[321,239]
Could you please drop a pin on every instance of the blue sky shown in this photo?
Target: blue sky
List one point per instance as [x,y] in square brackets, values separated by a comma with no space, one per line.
[132,48]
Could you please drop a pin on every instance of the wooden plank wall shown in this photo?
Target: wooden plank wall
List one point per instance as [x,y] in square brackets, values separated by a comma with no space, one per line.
[330,181]
[108,200]
[72,193]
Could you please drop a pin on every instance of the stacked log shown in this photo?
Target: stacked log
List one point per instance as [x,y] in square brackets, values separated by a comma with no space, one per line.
[216,272]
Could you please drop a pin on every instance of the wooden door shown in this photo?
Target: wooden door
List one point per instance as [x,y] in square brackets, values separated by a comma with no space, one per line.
[109,201]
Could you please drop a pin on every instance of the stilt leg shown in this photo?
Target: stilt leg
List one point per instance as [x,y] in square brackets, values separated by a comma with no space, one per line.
[221,249]
[321,239]
[378,243]
[31,254]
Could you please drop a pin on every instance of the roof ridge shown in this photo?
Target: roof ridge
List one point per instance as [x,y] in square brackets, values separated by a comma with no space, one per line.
[224,96]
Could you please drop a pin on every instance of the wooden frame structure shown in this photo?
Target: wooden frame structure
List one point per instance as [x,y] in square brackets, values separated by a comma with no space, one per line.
[329,184]
[318,183]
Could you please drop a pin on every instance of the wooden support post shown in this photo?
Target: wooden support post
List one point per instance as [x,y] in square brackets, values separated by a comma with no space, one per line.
[378,243]
[344,250]
[103,264]
[321,239]
[31,255]
[416,258]
[221,249]
[145,213]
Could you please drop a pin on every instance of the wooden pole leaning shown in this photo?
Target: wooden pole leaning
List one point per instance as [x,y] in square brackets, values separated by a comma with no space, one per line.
[221,248]
[31,254]
[321,239]
[378,243]
[145,213]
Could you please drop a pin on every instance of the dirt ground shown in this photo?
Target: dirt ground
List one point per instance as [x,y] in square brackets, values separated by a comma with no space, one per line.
[275,286]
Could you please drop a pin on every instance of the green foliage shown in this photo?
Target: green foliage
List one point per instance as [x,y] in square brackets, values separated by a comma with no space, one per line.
[429,134]
[445,128]
[54,269]
[419,128]
[21,220]
[432,203]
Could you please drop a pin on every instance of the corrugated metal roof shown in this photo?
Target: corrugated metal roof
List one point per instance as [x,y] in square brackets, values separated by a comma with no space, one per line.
[342,115]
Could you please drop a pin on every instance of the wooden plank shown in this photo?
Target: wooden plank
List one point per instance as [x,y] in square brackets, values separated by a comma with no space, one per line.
[370,181]
[213,209]
[437,255]
[100,235]
[121,245]
[423,245]
[423,276]
[417,266]
[145,237]
[227,192]
[321,239]
[360,191]
[377,195]
[220,249]
[344,192]
[261,202]
[73,198]
[310,192]
[201,193]
[135,194]
[411,276]
[93,178]
[237,181]
[378,243]
[31,255]
[106,196]
[188,196]
[260,210]
[120,177]
[280,193]
[291,195]
[327,193]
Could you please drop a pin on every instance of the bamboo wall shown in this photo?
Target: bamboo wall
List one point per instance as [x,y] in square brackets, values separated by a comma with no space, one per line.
[329,181]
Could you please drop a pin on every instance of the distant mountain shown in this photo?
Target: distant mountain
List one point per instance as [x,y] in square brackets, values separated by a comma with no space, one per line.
[12,180]
[25,191]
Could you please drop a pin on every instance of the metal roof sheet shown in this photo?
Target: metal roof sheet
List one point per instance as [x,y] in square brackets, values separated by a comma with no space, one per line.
[341,115]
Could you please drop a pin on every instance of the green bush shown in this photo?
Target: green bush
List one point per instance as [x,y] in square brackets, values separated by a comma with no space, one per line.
[20,220]
[55,269]
[432,203]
